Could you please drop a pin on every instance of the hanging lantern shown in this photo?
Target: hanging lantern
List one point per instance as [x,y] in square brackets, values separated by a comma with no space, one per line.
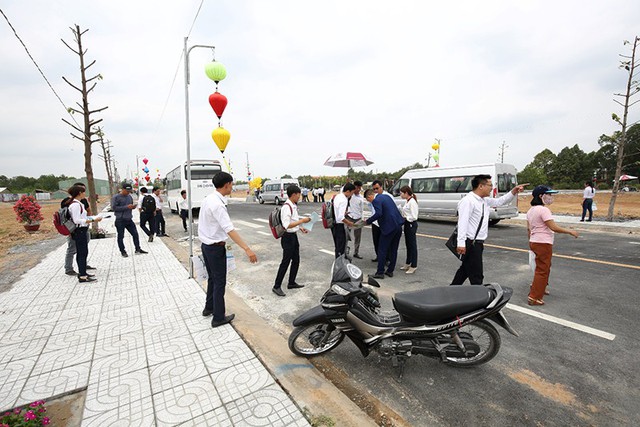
[215,71]
[436,158]
[435,146]
[218,102]
[221,137]
[145,160]
[146,170]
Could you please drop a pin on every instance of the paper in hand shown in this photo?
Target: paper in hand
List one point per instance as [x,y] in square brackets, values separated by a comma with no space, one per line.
[309,225]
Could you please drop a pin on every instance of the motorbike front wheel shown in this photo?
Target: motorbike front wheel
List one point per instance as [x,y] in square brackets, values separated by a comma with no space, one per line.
[314,339]
[487,339]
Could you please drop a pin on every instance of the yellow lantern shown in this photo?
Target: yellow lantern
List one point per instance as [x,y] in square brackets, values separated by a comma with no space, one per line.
[435,146]
[221,137]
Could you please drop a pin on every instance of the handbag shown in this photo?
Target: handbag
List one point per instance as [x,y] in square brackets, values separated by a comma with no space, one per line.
[452,242]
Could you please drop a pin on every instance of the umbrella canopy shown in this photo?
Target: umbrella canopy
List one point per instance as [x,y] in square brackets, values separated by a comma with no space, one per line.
[348,160]
[626,177]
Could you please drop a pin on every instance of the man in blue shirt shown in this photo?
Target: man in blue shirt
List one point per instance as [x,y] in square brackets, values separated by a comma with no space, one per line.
[390,221]
[122,205]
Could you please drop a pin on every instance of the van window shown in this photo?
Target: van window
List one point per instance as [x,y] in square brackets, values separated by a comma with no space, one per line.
[457,184]
[395,190]
[426,185]
[506,182]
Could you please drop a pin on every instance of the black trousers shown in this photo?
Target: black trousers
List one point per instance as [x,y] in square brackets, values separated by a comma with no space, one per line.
[82,249]
[388,250]
[587,205]
[290,255]
[410,230]
[339,238]
[184,214]
[375,233]
[160,224]
[147,218]
[121,225]
[471,266]
[215,259]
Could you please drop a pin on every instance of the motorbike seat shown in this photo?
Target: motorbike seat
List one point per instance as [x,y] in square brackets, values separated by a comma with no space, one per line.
[441,304]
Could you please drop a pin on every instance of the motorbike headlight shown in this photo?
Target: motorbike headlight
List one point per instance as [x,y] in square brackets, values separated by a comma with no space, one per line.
[339,290]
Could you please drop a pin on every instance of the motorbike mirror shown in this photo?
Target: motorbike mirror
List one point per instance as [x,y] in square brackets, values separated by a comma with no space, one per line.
[373,282]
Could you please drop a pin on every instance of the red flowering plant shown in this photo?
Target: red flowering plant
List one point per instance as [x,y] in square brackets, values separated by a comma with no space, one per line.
[28,210]
[29,416]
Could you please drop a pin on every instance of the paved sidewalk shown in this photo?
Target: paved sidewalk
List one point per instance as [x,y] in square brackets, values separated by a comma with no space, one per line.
[136,340]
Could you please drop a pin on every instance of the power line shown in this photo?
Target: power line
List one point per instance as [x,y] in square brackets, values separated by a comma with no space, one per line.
[38,67]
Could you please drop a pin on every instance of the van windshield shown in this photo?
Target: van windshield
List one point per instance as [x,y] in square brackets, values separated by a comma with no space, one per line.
[506,182]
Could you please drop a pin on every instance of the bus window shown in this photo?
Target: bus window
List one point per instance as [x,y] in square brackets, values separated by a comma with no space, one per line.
[202,174]
[395,190]
[426,185]
[457,184]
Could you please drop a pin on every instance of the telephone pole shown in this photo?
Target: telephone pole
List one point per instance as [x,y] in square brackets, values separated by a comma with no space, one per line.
[503,147]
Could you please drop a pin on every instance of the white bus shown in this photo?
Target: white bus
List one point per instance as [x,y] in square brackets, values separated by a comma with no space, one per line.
[202,173]
[439,190]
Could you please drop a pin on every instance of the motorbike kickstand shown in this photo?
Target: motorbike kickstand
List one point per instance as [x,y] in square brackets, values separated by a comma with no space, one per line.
[399,362]
[456,339]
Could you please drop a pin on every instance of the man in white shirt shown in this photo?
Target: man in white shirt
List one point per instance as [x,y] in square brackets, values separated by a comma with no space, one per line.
[473,227]
[356,205]
[340,207]
[289,241]
[184,209]
[213,230]
[159,219]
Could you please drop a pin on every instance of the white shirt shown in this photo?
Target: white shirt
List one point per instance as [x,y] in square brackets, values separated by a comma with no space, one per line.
[214,223]
[289,214]
[588,192]
[78,214]
[410,210]
[142,197]
[356,206]
[470,210]
[158,202]
[184,204]
[340,203]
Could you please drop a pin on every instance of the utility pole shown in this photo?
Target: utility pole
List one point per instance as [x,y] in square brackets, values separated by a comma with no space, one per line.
[428,159]
[503,147]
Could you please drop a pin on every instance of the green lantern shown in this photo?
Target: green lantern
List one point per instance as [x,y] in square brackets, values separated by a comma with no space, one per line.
[215,71]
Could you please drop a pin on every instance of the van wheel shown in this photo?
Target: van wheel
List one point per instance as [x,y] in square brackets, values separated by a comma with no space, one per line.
[277,201]
[261,200]
[493,221]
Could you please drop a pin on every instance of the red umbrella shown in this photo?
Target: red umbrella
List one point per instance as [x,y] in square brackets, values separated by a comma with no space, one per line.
[626,177]
[348,160]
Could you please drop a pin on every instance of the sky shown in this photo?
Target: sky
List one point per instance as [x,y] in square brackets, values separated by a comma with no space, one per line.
[306,80]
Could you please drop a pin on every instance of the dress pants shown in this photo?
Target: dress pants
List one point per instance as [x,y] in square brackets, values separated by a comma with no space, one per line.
[388,250]
[471,265]
[121,225]
[160,224]
[587,205]
[82,249]
[357,237]
[410,230]
[147,218]
[184,214]
[375,233]
[339,238]
[215,259]
[290,255]
[71,253]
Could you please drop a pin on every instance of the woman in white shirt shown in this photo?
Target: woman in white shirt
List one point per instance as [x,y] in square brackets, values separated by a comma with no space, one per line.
[410,215]
[79,216]
[587,200]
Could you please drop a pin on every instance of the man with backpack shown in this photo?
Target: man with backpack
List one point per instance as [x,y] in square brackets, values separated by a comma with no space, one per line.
[289,241]
[122,205]
[147,208]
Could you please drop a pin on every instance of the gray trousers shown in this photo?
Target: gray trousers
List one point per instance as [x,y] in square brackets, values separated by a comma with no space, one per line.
[71,252]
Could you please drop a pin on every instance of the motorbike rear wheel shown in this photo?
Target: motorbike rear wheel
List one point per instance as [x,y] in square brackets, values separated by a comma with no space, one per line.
[487,338]
[314,339]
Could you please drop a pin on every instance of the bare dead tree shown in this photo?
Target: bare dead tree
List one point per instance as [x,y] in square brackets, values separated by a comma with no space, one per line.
[106,157]
[629,64]
[86,135]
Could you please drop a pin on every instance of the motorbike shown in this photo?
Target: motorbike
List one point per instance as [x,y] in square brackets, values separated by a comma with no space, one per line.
[449,323]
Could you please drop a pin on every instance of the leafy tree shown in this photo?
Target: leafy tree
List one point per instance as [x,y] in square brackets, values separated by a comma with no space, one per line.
[533,175]
[571,168]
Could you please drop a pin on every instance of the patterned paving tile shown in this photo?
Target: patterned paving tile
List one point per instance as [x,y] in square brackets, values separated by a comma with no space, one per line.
[116,313]
[9,394]
[22,350]
[63,358]
[77,338]
[115,392]
[185,402]
[54,383]
[213,337]
[176,372]
[220,357]
[16,370]
[241,380]
[163,347]
[116,342]
[117,364]
[153,315]
[108,329]
[218,417]
[84,314]
[268,407]
[27,329]
[70,325]
[133,414]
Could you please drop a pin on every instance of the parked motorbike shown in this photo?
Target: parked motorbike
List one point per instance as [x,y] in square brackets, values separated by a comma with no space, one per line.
[448,323]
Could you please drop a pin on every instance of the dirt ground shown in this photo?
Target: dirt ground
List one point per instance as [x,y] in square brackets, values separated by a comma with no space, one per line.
[627,205]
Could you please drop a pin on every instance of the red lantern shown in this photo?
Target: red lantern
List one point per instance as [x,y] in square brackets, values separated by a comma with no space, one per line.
[218,102]
[145,160]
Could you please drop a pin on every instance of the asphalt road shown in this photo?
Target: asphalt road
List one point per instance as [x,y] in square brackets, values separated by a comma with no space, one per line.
[552,375]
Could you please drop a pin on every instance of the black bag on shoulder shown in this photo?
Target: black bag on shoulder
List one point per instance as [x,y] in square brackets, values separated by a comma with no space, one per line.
[148,204]
[452,242]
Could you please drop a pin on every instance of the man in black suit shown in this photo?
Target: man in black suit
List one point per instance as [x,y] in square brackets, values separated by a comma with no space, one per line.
[390,221]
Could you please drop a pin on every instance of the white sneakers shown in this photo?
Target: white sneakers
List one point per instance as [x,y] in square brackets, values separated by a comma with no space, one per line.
[411,270]
[405,267]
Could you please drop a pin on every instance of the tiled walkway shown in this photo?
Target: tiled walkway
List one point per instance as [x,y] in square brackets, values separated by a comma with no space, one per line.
[136,340]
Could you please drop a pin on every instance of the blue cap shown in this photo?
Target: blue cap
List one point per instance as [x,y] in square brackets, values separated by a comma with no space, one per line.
[542,189]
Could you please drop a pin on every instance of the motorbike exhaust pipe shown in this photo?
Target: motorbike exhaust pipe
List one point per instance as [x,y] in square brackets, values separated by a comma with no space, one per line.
[502,321]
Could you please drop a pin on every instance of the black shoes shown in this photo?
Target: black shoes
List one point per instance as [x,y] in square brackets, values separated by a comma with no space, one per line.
[278,292]
[389,273]
[124,254]
[207,312]
[357,256]
[374,260]
[71,273]
[151,238]
[227,319]
[378,276]
[140,251]
[90,268]
[86,279]
[295,286]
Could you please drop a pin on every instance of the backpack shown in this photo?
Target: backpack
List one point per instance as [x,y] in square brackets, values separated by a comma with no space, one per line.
[148,204]
[62,221]
[275,222]
[328,215]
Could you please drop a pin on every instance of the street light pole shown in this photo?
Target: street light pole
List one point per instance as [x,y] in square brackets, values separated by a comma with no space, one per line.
[186,115]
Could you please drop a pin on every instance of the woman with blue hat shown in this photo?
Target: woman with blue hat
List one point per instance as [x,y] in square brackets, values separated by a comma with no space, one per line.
[541,228]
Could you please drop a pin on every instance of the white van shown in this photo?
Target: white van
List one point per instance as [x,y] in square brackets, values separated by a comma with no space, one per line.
[439,190]
[276,190]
